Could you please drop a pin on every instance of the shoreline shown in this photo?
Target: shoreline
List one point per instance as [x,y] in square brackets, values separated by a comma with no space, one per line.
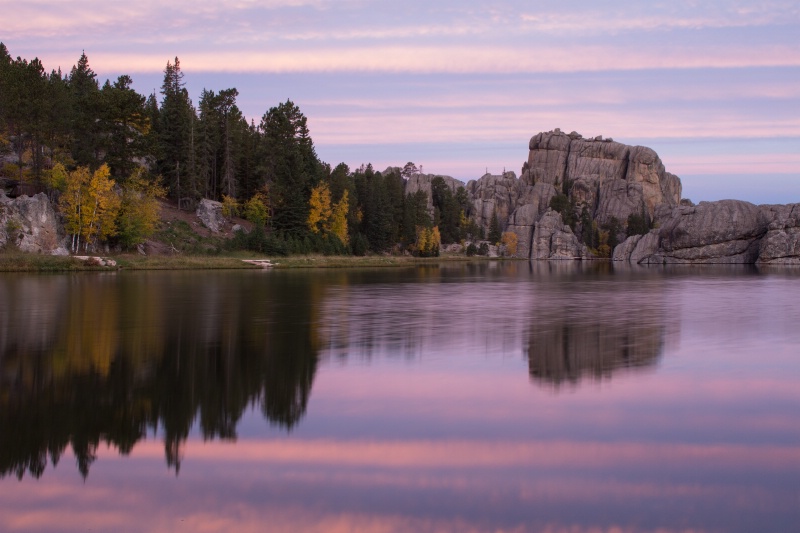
[31,262]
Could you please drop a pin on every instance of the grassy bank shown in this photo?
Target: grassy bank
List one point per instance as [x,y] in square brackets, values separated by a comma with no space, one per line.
[24,262]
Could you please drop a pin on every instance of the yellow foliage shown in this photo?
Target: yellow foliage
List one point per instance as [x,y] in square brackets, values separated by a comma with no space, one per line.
[256,209]
[230,207]
[56,178]
[139,212]
[428,241]
[339,219]
[89,205]
[319,214]
[509,240]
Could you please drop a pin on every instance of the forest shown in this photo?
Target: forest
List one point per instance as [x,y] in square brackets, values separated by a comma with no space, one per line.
[106,155]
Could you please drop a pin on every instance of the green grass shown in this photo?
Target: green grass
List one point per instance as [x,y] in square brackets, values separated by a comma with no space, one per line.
[335,261]
[183,239]
[15,261]
[182,262]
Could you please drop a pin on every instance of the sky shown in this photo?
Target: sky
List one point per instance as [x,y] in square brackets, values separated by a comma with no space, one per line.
[459,87]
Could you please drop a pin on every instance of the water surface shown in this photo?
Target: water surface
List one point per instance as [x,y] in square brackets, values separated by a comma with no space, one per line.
[477,397]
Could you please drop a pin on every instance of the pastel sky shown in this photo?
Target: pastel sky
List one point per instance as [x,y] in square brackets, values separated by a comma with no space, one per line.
[460,86]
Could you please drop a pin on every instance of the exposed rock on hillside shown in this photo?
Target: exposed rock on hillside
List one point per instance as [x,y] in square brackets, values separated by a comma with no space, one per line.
[422,182]
[31,224]
[210,214]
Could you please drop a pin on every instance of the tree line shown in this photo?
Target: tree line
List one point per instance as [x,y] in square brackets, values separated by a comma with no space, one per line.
[84,143]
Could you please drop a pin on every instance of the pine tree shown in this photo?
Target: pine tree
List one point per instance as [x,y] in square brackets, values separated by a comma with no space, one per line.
[495,233]
[84,114]
[289,165]
[175,131]
[124,125]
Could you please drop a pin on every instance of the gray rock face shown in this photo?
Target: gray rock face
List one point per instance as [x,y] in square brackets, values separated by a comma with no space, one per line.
[712,232]
[781,243]
[30,223]
[618,198]
[605,160]
[608,179]
[422,182]
[494,195]
[552,239]
[547,159]
[555,157]
[210,214]
[638,248]
[728,231]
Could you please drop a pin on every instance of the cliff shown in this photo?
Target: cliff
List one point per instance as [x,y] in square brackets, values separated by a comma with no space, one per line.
[603,185]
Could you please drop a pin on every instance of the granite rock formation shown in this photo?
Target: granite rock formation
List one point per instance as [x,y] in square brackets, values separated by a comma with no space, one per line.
[422,182]
[604,179]
[727,231]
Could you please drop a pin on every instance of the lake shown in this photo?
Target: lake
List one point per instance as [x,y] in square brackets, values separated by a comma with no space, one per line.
[507,396]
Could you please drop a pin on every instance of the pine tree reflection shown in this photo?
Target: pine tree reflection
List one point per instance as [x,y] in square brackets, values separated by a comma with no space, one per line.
[178,351]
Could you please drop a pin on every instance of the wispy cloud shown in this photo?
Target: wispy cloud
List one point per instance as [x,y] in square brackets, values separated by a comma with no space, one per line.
[452,59]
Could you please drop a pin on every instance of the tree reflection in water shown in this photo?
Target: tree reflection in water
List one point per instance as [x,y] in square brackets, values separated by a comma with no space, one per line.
[135,354]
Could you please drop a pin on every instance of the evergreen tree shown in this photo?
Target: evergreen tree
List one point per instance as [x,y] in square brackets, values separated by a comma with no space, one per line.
[84,114]
[124,125]
[289,165]
[415,214]
[495,232]
[175,132]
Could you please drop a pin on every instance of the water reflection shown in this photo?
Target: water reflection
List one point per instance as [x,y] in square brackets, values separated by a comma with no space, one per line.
[109,359]
[92,359]
[451,398]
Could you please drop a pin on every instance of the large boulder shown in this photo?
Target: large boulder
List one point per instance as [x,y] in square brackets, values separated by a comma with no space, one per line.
[727,231]
[210,214]
[31,224]
[781,243]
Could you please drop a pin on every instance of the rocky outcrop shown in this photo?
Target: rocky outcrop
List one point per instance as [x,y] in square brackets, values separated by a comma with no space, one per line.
[727,232]
[31,224]
[210,214]
[552,239]
[591,164]
[604,180]
[781,243]
[534,204]
[494,195]
[422,182]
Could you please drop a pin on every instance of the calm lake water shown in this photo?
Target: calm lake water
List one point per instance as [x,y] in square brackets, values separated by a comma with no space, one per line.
[471,397]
